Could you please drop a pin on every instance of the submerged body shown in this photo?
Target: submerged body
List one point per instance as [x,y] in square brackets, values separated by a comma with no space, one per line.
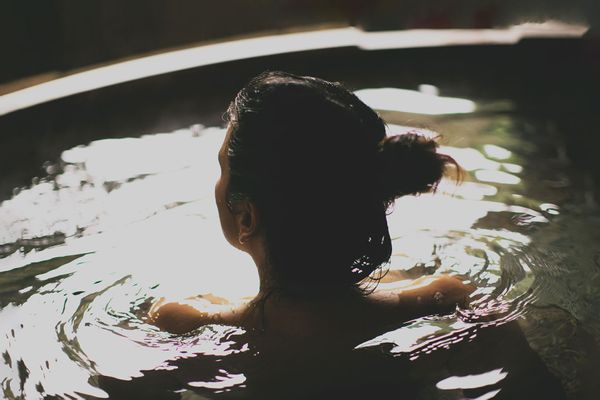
[310,348]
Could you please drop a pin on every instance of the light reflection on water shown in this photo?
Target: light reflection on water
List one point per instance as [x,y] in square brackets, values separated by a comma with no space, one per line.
[127,221]
[403,100]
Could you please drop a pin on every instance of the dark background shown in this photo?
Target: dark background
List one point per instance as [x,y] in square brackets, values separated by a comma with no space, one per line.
[60,35]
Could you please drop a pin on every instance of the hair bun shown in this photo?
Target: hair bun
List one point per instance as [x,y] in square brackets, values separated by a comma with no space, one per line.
[411,165]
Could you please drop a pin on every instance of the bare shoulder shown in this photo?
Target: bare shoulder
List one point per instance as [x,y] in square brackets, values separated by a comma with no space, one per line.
[188,314]
[432,294]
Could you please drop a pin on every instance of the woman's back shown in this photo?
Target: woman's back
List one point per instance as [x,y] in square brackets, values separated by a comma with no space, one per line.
[307,177]
[326,346]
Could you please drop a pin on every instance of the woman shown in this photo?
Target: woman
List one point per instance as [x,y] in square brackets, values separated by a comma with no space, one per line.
[307,175]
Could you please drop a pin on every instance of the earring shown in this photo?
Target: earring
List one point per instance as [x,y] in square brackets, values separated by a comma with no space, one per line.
[242,241]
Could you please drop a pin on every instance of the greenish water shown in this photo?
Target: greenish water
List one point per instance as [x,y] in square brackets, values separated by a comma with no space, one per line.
[119,223]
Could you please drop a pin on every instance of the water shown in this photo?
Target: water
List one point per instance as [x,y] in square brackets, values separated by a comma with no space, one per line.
[120,223]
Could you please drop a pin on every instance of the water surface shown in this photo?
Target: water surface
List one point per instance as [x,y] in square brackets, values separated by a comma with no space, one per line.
[119,223]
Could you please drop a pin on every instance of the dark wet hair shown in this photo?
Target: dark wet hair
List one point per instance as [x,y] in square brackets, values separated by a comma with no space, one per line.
[318,165]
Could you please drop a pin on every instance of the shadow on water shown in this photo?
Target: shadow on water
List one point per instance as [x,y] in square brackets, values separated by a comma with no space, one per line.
[320,368]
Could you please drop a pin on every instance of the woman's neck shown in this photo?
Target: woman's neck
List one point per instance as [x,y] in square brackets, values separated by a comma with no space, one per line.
[270,283]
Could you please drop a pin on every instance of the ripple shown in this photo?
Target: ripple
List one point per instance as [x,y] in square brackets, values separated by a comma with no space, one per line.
[75,287]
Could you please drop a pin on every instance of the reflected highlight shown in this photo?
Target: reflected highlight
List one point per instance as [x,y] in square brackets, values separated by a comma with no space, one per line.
[472,381]
[411,101]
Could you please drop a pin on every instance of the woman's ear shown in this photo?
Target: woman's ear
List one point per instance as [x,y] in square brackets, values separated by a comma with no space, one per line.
[246,220]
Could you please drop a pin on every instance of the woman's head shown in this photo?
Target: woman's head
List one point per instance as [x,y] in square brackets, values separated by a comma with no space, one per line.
[314,163]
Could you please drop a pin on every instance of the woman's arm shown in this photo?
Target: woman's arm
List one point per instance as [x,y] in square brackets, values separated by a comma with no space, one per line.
[427,295]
